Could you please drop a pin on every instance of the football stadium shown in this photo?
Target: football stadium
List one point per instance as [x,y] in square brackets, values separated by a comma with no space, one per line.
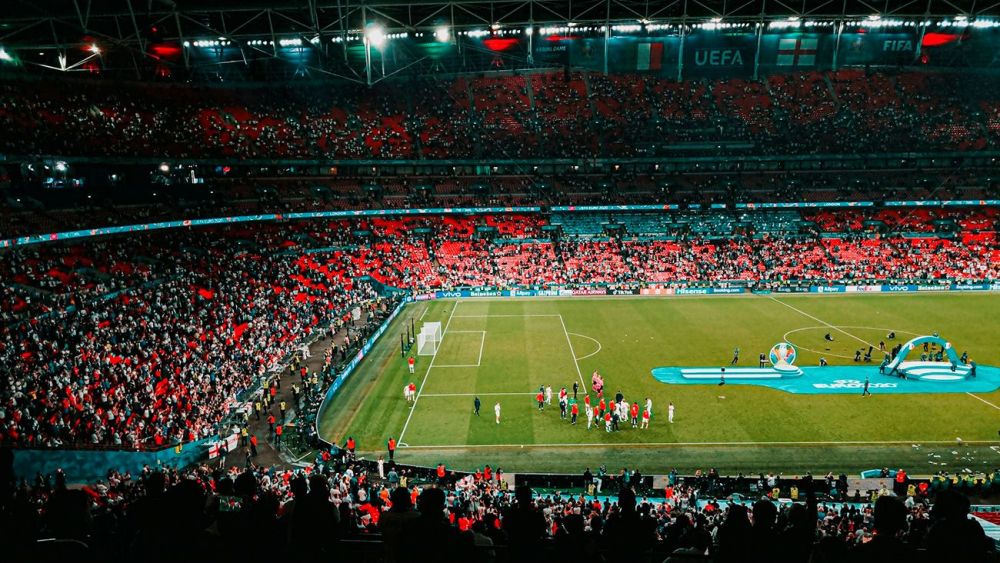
[502,281]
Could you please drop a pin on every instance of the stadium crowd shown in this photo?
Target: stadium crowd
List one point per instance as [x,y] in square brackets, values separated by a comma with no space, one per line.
[162,357]
[340,507]
[152,345]
[505,115]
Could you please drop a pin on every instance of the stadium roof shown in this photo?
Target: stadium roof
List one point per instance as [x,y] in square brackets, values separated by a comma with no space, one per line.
[145,34]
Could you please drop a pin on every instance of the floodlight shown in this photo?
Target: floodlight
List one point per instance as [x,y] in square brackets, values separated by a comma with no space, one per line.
[375,36]
[442,34]
[164,167]
[94,49]
[5,56]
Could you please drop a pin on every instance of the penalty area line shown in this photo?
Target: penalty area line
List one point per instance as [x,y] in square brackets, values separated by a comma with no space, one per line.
[691,444]
[427,373]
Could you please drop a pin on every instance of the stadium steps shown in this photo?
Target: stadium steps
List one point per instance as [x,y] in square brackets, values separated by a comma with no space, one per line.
[530,91]
[585,76]
[833,91]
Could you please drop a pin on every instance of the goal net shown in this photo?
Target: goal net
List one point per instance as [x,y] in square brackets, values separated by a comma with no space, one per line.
[429,339]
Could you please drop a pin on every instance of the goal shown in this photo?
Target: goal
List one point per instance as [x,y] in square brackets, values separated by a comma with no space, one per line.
[429,339]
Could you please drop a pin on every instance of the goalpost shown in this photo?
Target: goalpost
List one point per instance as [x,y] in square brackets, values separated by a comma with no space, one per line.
[429,339]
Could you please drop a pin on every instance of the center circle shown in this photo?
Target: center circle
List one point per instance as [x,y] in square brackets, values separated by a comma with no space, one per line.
[870,336]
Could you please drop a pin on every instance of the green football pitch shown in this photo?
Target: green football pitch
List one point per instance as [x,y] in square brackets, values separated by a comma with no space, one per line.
[502,350]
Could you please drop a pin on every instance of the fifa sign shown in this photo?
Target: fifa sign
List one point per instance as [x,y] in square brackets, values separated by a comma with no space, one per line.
[897,45]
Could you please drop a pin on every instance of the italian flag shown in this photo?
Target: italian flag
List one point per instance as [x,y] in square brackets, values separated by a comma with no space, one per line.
[649,56]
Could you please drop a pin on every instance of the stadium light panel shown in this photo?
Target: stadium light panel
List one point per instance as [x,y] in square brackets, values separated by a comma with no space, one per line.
[442,34]
[375,36]
[94,49]
[5,56]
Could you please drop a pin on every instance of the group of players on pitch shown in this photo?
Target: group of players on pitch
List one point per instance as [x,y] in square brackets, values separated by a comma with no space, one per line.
[611,413]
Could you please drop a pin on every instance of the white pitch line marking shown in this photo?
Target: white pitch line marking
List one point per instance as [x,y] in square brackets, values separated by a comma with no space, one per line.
[430,366]
[821,321]
[579,374]
[439,366]
[800,347]
[595,352]
[471,394]
[983,400]
[689,444]
[422,315]
[482,344]
[491,316]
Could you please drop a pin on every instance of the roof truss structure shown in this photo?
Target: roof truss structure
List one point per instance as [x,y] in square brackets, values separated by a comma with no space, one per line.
[59,31]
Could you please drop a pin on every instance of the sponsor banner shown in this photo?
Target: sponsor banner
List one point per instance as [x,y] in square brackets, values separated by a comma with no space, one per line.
[571,208]
[623,292]
[485,293]
[804,204]
[828,289]
[971,287]
[715,52]
[656,290]
[790,289]
[865,47]
[727,290]
[408,212]
[590,291]
[101,231]
[931,287]
[692,291]
[548,293]
[659,290]
[864,289]
[944,203]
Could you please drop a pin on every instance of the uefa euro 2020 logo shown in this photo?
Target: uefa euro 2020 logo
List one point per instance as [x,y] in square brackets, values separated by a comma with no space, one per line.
[782,354]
